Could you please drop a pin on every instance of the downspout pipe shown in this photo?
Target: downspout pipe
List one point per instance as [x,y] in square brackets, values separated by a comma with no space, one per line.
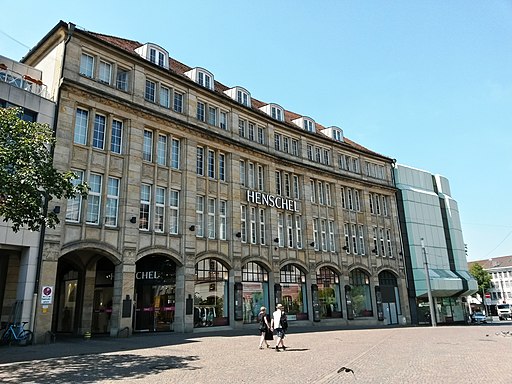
[42,232]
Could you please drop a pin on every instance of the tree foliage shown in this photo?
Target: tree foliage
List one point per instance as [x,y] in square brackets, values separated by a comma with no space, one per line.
[28,178]
[482,277]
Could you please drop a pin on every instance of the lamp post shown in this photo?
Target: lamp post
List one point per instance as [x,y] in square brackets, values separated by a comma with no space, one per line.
[429,289]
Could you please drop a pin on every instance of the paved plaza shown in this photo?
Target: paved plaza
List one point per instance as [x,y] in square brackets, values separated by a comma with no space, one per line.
[449,354]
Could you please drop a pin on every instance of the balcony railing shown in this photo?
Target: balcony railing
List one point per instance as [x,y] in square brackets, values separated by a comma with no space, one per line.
[23,81]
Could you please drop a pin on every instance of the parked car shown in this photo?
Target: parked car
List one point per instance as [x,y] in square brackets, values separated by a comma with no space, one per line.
[478,318]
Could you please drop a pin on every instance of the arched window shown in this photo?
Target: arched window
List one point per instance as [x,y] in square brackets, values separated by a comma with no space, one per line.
[254,291]
[361,294]
[293,292]
[211,300]
[328,293]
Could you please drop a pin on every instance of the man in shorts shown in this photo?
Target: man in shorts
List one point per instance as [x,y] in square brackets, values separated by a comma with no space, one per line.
[278,318]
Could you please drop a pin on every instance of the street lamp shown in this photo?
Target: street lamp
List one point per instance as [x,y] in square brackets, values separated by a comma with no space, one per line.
[429,289]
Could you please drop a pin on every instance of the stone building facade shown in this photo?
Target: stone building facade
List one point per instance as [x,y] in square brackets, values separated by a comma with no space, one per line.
[205,203]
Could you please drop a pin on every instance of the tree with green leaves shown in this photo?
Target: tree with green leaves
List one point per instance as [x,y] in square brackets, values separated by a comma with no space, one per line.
[482,277]
[28,179]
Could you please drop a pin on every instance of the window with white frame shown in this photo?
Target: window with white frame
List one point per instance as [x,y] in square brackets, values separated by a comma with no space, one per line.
[388,243]
[112,203]
[161,150]
[346,236]
[174,209]
[277,113]
[328,200]
[211,218]
[147,146]
[298,231]
[287,186]
[309,126]
[81,123]
[178,102]
[323,234]
[250,132]
[261,135]
[309,149]
[74,205]
[159,209]
[105,72]
[377,204]
[223,120]
[241,127]
[357,201]
[122,79]
[212,115]
[262,226]
[145,205]
[261,177]
[222,166]
[98,137]
[286,144]
[243,173]
[354,238]
[242,97]
[370,202]
[243,223]
[200,161]
[175,153]
[223,219]
[321,193]
[211,164]
[332,244]
[150,91]
[343,201]
[279,185]
[289,230]
[200,112]
[251,176]
[382,246]
[199,216]
[252,224]
[204,79]
[296,187]
[316,238]
[360,233]
[277,141]
[375,249]
[385,206]
[87,65]
[312,184]
[94,199]
[350,199]
[165,97]
[295,147]
[116,136]
[280,228]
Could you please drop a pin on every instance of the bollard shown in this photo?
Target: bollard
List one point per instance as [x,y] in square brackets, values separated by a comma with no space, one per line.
[87,335]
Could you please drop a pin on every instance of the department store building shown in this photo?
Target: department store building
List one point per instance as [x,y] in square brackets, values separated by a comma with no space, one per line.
[205,203]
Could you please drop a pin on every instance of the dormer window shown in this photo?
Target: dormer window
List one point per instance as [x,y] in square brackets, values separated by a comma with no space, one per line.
[239,94]
[334,133]
[202,77]
[274,110]
[154,54]
[305,123]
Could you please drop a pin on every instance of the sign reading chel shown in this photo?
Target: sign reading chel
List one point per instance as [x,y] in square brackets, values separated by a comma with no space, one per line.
[271,201]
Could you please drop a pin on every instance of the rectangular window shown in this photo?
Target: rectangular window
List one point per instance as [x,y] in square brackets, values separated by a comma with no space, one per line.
[81,119]
[251,176]
[310,152]
[321,194]
[175,153]
[327,157]
[261,178]
[116,136]
[354,238]
[122,79]
[222,167]
[289,230]
[313,190]
[261,135]
[252,219]
[346,235]
[279,188]
[87,65]
[375,249]
[223,124]
[295,147]
[144,210]
[199,216]
[243,223]
[315,235]
[382,247]
[98,138]
[377,204]
[286,144]
[318,156]
[262,226]
[298,231]
[212,116]
[160,209]
[332,244]
[296,193]
[277,141]
[241,127]
[357,200]
[287,186]
[174,204]
[223,219]
[251,131]
[178,102]
[200,111]
[94,199]
[388,242]
[370,202]
[211,218]
[165,97]
[147,147]
[150,91]
[280,229]
[161,150]
[350,199]
[243,173]
[211,164]
[328,200]
[112,204]
[74,205]
[200,161]
[323,234]
[105,72]
[385,206]
[360,232]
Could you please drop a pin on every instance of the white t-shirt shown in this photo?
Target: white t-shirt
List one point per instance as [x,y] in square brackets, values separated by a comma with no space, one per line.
[276,316]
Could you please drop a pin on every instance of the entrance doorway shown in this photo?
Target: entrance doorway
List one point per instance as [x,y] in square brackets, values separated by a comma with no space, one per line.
[155,294]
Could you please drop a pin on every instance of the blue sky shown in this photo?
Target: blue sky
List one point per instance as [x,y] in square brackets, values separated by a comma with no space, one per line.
[428,83]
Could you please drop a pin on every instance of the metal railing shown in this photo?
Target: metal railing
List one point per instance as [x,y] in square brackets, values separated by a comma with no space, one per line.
[23,81]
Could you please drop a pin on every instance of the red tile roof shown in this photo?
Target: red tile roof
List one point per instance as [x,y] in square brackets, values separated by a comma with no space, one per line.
[179,68]
[495,262]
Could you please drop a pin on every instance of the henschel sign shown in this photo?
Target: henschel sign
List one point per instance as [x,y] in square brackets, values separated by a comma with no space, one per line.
[271,201]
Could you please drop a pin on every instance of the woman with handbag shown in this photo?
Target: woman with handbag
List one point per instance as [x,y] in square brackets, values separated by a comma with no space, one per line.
[264,327]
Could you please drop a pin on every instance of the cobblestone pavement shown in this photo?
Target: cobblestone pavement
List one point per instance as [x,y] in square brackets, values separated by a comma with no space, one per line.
[451,354]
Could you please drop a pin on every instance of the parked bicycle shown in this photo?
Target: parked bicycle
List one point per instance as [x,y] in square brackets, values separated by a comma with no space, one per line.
[17,334]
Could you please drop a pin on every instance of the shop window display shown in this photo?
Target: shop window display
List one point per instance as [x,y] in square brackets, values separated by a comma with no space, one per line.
[328,293]
[255,291]
[211,294]
[360,294]
[293,291]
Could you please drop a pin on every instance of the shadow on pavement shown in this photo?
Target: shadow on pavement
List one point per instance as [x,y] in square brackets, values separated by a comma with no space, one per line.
[93,368]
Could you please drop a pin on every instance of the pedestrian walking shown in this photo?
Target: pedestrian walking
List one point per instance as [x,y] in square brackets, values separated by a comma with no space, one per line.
[265,331]
[279,324]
